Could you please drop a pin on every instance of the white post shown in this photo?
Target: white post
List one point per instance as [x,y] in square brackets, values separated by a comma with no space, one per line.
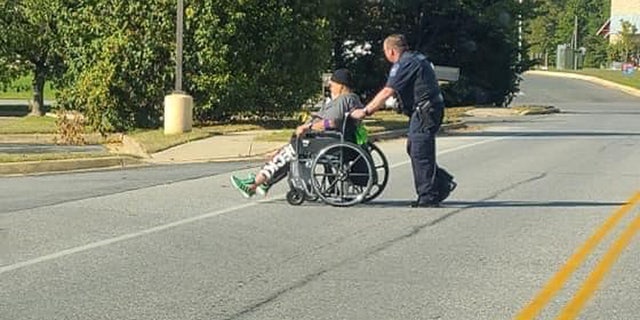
[520,33]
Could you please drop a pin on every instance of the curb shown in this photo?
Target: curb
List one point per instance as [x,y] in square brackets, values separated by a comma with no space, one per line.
[30,167]
[605,83]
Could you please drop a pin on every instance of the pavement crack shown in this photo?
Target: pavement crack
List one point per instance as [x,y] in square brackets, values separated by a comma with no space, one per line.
[515,185]
[276,295]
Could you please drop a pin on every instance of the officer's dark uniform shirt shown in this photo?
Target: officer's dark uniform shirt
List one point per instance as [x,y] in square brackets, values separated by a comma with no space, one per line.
[414,80]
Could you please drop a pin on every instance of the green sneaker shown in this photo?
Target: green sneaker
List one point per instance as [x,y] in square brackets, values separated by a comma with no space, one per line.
[250,179]
[242,187]
[262,190]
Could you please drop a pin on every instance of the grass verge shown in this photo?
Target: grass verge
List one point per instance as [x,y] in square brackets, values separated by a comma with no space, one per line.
[611,75]
[27,125]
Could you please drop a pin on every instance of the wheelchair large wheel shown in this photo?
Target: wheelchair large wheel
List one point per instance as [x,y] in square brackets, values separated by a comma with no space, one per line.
[381,168]
[342,174]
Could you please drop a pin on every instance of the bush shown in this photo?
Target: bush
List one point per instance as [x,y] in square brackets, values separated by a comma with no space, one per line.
[70,127]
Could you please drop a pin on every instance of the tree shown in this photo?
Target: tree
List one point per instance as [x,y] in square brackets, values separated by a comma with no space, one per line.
[254,57]
[626,44]
[29,37]
[240,57]
[118,61]
[480,37]
[540,30]
[554,24]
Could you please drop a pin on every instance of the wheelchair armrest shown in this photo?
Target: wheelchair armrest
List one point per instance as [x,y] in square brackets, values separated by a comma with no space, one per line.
[324,134]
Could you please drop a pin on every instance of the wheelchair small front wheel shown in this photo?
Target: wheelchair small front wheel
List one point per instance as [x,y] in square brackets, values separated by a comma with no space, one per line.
[295,197]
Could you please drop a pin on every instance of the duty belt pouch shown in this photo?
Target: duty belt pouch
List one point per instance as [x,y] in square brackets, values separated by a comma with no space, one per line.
[422,112]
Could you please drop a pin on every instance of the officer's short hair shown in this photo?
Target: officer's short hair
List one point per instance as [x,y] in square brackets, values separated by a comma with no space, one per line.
[397,41]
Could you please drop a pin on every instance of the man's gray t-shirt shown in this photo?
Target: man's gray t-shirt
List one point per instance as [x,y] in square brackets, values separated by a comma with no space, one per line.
[337,108]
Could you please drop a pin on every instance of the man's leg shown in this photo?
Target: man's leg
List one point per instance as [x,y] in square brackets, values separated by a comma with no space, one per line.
[272,169]
[423,163]
[422,151]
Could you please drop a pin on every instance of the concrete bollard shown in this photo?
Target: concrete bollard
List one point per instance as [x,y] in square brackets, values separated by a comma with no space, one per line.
[178,113]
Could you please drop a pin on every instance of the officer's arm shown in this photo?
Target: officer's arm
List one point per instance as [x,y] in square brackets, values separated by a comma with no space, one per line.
[378,101]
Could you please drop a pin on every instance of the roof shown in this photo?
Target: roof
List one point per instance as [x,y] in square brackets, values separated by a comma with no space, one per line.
[605,29]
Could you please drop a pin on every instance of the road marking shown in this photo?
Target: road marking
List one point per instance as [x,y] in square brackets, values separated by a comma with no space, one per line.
[573,308]
[121,238]
[163,227]
[558,280]
[458,148]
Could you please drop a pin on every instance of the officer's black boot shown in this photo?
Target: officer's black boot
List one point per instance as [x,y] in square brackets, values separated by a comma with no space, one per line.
[425,203]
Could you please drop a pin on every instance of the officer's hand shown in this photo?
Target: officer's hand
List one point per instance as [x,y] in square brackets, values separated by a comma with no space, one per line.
[300,130]
[358,114]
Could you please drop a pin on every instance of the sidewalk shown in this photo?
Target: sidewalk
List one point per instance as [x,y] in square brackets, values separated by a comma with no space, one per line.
[237,146]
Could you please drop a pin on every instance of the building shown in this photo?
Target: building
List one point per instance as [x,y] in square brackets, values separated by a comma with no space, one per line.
[627,10]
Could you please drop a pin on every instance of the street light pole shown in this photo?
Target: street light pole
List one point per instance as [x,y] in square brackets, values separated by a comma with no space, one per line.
[178,106]
[179,32]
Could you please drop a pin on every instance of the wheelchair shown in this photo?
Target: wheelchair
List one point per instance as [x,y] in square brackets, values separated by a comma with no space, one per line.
[330,167]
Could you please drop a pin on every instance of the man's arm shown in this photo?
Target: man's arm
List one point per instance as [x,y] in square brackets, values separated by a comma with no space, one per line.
[375,104]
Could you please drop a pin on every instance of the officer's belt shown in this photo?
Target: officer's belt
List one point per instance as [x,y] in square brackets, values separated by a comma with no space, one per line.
[425,106]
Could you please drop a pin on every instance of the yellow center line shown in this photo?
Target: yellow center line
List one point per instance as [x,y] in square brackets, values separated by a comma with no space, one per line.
[558,280]
[590,285]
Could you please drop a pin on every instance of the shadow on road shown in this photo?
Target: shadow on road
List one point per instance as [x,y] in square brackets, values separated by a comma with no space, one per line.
[543,134]
[608,113]
[498,204]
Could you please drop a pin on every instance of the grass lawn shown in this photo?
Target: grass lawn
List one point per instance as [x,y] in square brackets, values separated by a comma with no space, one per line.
[21,89]
[611,75]
[26,125]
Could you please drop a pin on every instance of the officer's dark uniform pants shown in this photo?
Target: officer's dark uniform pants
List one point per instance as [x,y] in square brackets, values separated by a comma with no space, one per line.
[421,146]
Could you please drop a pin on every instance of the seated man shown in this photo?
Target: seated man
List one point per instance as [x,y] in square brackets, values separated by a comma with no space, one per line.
[330,117]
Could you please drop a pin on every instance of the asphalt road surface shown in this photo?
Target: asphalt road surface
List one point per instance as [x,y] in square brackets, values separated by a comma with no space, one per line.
[543,224]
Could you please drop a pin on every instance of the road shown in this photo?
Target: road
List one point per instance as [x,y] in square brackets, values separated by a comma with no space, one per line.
[541,225]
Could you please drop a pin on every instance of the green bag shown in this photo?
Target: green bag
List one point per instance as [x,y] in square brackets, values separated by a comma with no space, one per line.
[362,135]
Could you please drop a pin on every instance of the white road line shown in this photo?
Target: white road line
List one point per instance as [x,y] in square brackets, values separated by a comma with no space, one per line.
[121,238]
[110,241]
[458,148]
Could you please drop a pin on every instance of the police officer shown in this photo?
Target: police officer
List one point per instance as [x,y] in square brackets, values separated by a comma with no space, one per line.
[413,80]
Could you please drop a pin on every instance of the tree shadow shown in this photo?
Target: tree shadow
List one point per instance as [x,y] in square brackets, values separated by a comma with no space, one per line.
[543,134]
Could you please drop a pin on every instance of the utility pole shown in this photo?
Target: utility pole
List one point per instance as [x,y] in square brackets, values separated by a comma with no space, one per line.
[575,43]
[179,32]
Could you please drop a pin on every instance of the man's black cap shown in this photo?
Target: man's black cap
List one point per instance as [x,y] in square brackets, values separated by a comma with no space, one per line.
[343,77]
